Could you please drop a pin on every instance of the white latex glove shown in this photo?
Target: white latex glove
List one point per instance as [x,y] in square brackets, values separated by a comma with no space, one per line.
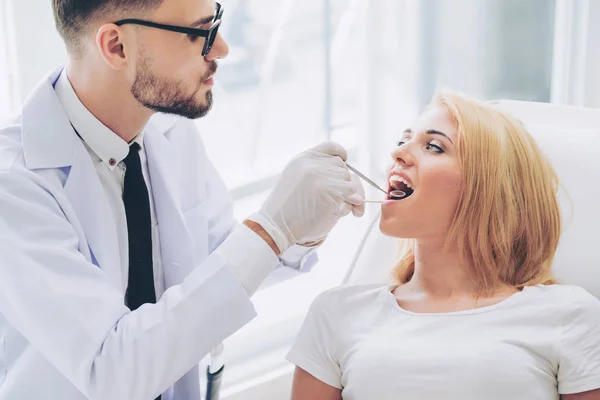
[314,191]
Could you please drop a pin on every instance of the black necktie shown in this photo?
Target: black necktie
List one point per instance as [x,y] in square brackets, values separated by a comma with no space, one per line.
[140,285]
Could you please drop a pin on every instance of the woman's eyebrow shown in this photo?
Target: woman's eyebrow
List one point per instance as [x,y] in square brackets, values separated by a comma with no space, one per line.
[432,132]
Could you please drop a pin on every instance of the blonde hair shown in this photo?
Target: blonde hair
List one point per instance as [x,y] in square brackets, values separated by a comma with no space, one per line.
[507,223]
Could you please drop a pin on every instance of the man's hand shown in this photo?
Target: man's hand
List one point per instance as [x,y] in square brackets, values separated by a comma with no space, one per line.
[314,191]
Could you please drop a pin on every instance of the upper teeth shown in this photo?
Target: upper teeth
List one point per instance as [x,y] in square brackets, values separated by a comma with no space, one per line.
[396,178]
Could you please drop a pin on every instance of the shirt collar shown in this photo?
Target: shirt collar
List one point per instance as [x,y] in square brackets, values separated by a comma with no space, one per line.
[105,143]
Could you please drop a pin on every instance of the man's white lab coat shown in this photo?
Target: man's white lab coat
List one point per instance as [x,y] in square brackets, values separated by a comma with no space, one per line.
[65,332]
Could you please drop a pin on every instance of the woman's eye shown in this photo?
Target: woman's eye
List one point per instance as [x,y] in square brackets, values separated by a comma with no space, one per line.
[435,148]
[400,143]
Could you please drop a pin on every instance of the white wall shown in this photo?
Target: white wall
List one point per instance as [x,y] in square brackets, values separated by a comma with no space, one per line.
[467,39]
[6,105]
[576,77]
[592,79]
[275,387]
[40,49]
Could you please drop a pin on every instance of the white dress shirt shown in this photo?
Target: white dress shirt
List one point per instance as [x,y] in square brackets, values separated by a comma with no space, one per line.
[108,151]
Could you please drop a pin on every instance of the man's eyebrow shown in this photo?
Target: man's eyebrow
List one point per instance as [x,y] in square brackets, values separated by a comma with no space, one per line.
[433,132]
[202,21]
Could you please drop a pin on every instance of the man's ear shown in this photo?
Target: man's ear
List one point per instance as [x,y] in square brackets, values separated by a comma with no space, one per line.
[111,44]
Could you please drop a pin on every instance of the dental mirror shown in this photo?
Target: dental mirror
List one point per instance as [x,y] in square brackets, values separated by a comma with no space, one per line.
[397,194]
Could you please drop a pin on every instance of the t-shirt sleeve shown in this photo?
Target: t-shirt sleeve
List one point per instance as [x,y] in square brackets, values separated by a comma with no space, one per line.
[314,349]
[579,348]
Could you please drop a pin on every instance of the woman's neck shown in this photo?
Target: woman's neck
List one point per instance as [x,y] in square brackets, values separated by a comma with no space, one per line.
[439,271]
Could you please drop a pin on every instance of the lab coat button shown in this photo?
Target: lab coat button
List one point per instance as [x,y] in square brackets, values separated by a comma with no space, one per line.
[112,162]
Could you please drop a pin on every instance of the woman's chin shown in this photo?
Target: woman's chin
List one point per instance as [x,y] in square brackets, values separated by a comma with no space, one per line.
[393,228]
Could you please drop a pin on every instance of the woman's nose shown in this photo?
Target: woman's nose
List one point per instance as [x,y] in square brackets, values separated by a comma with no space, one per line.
[402,155]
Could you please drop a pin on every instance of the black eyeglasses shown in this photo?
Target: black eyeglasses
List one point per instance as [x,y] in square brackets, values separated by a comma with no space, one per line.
[210,34]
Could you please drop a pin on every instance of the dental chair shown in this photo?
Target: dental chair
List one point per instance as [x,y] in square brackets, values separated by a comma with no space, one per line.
[570,138]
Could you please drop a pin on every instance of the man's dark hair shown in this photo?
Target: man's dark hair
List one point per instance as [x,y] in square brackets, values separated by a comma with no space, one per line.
[72,17]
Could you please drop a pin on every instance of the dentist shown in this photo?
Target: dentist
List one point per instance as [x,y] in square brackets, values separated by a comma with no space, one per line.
[121,265]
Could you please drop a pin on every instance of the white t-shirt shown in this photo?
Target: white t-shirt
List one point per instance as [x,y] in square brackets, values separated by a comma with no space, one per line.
[539,342]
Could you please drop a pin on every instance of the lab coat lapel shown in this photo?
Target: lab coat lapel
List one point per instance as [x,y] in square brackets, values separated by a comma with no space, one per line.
[49,142]
[177,246]
[85,192]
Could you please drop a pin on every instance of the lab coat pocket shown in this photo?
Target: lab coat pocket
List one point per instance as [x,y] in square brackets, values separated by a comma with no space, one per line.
[196,220]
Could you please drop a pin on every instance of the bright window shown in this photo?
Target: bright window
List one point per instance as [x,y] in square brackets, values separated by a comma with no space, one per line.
[283,88]
[357,71]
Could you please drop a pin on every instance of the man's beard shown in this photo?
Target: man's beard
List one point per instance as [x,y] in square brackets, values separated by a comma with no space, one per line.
[167,96]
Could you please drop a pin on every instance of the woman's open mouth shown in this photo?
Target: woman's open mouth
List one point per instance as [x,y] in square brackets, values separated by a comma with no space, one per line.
[399,188]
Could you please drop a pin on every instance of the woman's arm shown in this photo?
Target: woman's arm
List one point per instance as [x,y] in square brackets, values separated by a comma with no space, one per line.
[307,387]
[591,395]
[578,373]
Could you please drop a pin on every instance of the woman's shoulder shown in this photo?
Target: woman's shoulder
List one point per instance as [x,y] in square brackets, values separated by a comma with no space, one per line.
[566,297]
[559,291]
[353,292]
[350,297]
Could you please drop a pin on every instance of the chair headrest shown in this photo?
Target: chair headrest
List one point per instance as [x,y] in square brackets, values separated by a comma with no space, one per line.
[570,138]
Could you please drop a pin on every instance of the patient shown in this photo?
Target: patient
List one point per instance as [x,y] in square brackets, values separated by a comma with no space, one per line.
[475,313]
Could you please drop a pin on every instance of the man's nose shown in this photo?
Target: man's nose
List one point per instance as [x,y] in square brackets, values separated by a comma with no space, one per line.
[219,50]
